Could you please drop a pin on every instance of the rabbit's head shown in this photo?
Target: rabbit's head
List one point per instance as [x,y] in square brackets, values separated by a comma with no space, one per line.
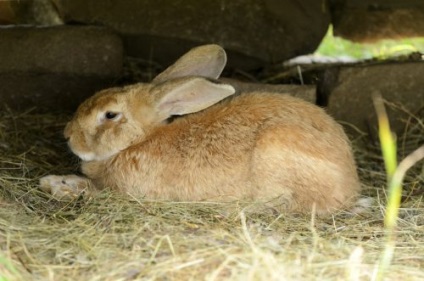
[114,119]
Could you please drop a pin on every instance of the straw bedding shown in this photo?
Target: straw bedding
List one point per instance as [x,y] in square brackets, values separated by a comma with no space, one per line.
[110,237]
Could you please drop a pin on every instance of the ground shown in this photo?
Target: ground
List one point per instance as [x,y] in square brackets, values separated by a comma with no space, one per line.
[110,237]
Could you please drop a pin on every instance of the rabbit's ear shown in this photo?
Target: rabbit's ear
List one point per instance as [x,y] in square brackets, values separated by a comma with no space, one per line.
[191,95]
[206,61]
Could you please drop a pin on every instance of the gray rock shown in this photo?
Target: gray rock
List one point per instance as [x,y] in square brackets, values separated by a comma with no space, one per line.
[373,20]
[56,67]
[62,49]
[39,12]
[253,32]
[401,84]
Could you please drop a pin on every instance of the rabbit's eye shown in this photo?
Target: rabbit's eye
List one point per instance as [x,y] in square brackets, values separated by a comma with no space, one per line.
[112,115]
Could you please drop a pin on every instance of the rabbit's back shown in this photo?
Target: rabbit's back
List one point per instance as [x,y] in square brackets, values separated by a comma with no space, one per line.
[270,147]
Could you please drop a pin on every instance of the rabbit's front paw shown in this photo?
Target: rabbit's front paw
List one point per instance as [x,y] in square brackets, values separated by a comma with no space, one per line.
[66,187]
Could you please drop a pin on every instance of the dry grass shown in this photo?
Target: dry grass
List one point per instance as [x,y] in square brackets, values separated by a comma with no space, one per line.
[112,238]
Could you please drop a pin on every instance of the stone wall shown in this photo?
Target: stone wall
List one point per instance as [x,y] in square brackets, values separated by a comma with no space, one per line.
[55,53]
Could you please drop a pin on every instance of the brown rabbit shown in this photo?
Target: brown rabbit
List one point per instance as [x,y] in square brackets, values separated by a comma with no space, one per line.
[259,146]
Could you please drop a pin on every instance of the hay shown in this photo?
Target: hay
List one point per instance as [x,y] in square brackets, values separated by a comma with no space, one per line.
[115,238]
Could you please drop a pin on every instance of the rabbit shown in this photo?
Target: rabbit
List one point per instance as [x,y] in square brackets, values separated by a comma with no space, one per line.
[186,136]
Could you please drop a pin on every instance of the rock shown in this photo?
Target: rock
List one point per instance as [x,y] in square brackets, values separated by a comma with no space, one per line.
[39,12]
[253,32]
[62,49]
[305,92]
[7,15]
[372,20]
[352,89]
[56,67]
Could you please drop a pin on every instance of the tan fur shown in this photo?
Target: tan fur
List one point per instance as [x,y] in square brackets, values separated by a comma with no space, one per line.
[265,147]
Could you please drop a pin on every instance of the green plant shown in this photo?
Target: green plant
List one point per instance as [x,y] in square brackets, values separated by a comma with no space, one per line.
[395,174]
[336,46]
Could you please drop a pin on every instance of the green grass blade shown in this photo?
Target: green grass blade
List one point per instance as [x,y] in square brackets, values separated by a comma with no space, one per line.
[388,148]
[395,175]
[387,139]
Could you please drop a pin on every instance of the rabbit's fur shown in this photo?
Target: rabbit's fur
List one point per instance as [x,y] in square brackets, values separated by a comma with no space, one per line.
[259,146]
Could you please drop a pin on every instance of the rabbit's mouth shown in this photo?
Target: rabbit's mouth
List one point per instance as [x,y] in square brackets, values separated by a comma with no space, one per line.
[86,156]
[83,155]
[91,156]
